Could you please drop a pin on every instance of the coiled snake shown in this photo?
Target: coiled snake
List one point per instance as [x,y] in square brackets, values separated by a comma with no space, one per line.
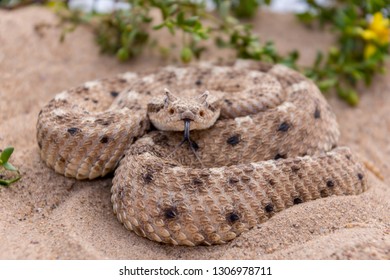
[258,138]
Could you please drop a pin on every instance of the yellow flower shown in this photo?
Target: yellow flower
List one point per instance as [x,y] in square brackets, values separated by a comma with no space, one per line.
[378,32]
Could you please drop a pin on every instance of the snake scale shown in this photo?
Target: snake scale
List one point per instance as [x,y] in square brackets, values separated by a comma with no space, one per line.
[258,138]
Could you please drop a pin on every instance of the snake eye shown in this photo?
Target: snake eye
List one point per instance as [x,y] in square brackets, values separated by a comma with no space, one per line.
[201,113]
[171,111]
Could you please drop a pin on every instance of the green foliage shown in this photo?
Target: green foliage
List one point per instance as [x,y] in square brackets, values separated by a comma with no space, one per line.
[126,33]
[5,165]
[241,8]
[362,44]
[361,29]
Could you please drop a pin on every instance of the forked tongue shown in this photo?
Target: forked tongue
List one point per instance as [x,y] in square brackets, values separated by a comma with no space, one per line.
[187,130]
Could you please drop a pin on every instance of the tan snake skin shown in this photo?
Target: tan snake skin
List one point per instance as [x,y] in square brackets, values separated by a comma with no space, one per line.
[274,145]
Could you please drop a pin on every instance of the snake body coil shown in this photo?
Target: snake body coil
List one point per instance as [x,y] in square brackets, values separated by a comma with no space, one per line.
[274,145]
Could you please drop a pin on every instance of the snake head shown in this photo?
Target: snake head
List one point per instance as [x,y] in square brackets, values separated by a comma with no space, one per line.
[173,113]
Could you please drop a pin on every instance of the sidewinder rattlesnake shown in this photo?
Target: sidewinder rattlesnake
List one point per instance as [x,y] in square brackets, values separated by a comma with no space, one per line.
[274,145]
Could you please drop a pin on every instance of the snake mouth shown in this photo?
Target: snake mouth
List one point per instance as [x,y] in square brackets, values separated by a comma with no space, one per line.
[187,139]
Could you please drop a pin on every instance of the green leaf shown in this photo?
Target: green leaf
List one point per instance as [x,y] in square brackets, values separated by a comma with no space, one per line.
[326,84]
[5,155]
[9,166]
[191,21]
[170,26]
[9,182]
[353,98]
[186,55]
[159,26]
[122,54]
[349,95]
[180,18]
[306,17]
[245,8]
[357,75]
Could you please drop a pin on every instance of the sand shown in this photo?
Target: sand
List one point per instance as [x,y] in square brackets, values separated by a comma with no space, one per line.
[48,216]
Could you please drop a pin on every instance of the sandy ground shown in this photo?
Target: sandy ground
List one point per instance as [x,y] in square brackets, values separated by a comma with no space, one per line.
[48,216]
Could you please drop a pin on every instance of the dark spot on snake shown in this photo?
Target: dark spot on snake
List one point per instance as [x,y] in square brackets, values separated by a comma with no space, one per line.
[330,183]
[271,182]
[232,217]
[228,102]
[104,139]
[148,178]
[317,113]
[334,146]
[197,182]
[61,159]
[95,101]
[39,145]
[237,85]
[233,181]
[73,130]
[348,157]
[360,176]
[86,98]
[269,208]
[170,213]
[148,92]
[297,200]
[114,93]
[234,140]
[198,82]
[295,168]
[121,192]
[194,145]
[279,156]
[323,193]
[284,126]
